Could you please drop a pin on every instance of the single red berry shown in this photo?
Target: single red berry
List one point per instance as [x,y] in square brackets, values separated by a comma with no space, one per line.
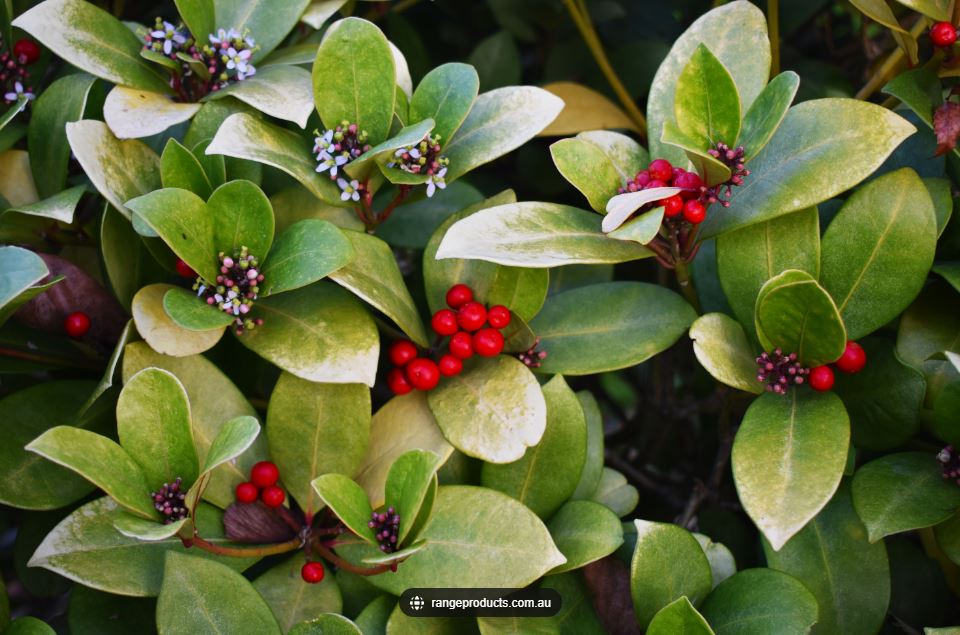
[853,360]
[655,183]
[402,352]
[26,50]
[184,270]
[312,572]
[264,474]
[450,366]
[444,322]
[423,373]
[691,184]
[247,493]
[694,212]
[461,345]
[458,295]
[273,496]
[642,178]
[943,34]
[472,316]
[76,324]
[661,170]
[498,316]
[488,342]
[672,206]
[397,381]
[821,378]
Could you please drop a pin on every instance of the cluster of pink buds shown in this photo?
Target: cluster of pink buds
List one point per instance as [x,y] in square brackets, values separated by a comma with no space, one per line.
[169,501]
[235,289]
[13,70]
[533,358]
[733,158]
[386,527]
[779,371]
[424,158]
[950,463]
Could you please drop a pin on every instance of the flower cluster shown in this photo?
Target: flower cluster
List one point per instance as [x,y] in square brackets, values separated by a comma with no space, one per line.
[169,501]
[950,463]
[336,148]
[13,70]
[424,158]
[733,158]
[779,371]
[386,527]
[235,289]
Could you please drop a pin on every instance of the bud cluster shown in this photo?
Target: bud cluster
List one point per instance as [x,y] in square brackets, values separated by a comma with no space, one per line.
[235,289]
[386,527]
[533,358]
[733,158]
[169,501]
[779,371]
[424,158]
[13,70]
[950,463]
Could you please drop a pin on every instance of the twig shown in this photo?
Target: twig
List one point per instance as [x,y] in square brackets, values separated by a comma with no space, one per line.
[702,492]
[773,28]
[392,205]
[329,556]
[889,65]
[243,552]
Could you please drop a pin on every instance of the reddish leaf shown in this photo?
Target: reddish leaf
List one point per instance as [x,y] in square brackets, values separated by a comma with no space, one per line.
[255,523]
[946,125]
[609,583]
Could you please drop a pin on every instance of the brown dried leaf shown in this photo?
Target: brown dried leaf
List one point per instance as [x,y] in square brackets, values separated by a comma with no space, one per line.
[609,583]
[946,125]
[255,523]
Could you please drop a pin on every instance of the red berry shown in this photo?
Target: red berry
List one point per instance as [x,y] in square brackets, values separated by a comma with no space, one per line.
[264,474]
[27,50]
[312,572]
[444,322]
[943,34]
[472,316]
[655,183]
[498,316]
[661,170]
[423,373]
[488,342]
[458,295]
[402,352]
[642,178]
[461,345]
[694,212]
[853,360]
[691,184]
[821,378]
[672,206]
[273,496]
[247,493]
[184,270]
[76,324]
[397,381]
[450,365]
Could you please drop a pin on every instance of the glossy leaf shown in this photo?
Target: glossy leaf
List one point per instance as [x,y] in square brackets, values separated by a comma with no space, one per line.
[21,270]
[190,312]
[766,114]
[588,168]
[306,252]
[197,15]
[326,624]
[180,168]
[760,601]
[269,22]
[133,113]
[281,91]
[706,104]
[722,349]
[679,617]
[788,457]
[593,462]
[584,532]
[161,332]
[384,151]
[242,217]
[712,170]
[408,485]
[347,501]
[584,109]
[446,94]
[722,563]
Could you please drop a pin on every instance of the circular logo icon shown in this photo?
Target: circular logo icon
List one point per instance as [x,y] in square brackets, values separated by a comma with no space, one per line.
[416,603]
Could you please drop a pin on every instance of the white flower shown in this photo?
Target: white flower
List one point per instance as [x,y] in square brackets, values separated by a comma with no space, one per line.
[350,190]
[17,93]
[436,181]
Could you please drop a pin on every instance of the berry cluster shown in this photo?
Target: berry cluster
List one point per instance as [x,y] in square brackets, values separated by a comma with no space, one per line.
[779,371]
[386,527]
[471,327]
[13,69]
[76,324]
[169,501]
[337,147]
[733,158]
[263,485]
[235,289]
[943,34]
[424,158]
[661,174]
[950,463]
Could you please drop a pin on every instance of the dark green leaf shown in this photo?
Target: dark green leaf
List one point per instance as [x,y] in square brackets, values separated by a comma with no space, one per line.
[446,94]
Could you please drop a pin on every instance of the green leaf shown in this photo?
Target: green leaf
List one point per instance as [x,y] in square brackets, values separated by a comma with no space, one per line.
[202,596]
[667,564]
[153,425]
[133,113]
[120,170]
[628,156]
[712,170]
[760,601]
[233,439]
[347,501]
[409,136]
[942,196]
[500,121]
[185,223]
[494,410]
[736,34]
[468,547]
[900,492]
[880,11]
[679,617]
[531,234]
[190,312]
[374,276]
[198,15]
[576,616]
[319,11]
[161,332]
[593,462]
[878,250]
[29,626]
[767,112]
[92,612]
[445,94]
[146,530]
[584,532]
[588,168]
[797,315]
[282,91]
[266,21]
[59,207]
[21,270]
[355,59]
[100,461]
[497,60]
[319,333]
[948,537]
[748,257]
[290,600]
[61,102]
[849,576]
[93,40]
[242,217]
[722,349]
[549,471]
[928,327]
[788,457]
[706,104]
[326,624]
[933,9]
[402,424]
[316,429]
[307,251]
[822,148]
[622,206]
[408,484]
[638,321]
[416,223]
[722,563]
[642,229]
[245,137]
[180,168]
